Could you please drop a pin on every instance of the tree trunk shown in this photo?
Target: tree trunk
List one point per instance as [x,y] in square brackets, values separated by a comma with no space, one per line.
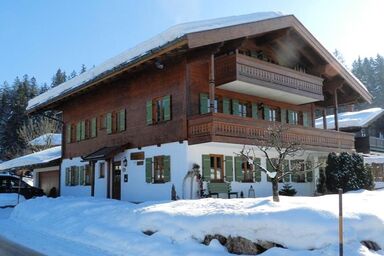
[275,190]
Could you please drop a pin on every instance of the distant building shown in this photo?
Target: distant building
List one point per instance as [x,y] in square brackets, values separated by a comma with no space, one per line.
[368,127]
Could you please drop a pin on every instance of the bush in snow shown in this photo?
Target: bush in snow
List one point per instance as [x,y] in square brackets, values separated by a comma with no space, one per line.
[287,190]
[348,172]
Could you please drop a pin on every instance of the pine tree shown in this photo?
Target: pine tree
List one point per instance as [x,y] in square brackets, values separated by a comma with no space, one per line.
[332,173]
[83,69]
[59,78]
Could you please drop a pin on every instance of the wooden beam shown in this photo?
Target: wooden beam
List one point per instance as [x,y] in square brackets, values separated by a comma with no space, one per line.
[325,118]
[212,84]
[336,109]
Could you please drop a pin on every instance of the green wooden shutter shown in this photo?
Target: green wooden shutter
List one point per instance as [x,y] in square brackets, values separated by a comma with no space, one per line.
[122,120]
[226,106]
[148,170]
[82,130]
[109,123]
[76,179]
[67,176]
[167,107]
[287,178]
[82,175]
[149,112]
[235,107]
[229,168]
[309,176]
[266,113]
[256,169]
[305,119]
[238,170]
[204,103]
[78,131]
[283,116]
[68,134]
[255,109]
[93,127]
[167,168]
[290,117]
[206,163]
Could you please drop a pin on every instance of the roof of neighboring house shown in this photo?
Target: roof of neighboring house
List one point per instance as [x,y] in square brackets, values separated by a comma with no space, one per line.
[192,35]
[361,118]
[37,158]
[50,139]
[373,158]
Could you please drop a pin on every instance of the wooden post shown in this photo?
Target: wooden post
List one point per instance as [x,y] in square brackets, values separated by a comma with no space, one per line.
[212,84]
[336,110]
[92,166]
[341,222]
[325,118]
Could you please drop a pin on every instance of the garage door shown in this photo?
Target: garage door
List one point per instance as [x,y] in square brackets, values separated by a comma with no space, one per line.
[48,180]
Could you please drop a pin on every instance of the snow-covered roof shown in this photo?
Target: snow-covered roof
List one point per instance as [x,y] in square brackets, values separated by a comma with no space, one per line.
[52,139]
[144,48]
[374,158]
[41,157]
[351,119]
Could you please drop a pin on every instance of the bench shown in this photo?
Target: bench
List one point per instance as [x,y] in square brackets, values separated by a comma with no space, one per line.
[214,189]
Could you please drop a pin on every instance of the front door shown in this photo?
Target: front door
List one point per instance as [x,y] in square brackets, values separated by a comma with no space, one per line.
[116,180]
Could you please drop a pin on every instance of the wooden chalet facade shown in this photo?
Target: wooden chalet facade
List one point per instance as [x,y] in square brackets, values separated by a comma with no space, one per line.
[141,126]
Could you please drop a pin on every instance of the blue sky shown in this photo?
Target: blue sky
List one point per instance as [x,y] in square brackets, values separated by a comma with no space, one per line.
[38,37]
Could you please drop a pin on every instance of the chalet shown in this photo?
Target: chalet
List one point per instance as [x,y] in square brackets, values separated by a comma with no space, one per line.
[188,99]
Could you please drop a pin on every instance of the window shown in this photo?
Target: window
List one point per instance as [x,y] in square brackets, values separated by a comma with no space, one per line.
[68,135]
[216,168]
[298,169]
[101,170]
[271,114]
[158,110]
[244,109]
[157,169]
[78,175]
[293,117]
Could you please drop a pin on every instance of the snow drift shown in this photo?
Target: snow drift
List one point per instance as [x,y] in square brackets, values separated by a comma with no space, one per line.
[298,223]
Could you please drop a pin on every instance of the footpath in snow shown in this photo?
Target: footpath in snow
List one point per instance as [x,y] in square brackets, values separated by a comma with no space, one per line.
[303,225]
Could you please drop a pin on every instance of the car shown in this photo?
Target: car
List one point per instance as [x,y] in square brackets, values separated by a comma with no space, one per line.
[10,184]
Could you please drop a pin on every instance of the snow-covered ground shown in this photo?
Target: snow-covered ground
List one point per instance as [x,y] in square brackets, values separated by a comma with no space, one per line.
[10,199]
[304,225]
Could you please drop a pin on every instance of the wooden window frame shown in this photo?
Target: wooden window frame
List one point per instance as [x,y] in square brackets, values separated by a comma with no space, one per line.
[244,105]
[215,180]
[247,172]
[158,169]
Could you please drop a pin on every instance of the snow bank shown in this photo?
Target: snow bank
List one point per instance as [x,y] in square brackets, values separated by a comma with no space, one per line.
[298,223]
[9,199]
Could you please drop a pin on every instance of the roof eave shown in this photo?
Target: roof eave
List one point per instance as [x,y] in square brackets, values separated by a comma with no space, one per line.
[111,73]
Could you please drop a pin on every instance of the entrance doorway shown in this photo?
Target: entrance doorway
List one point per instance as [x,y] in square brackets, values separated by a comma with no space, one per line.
[116,180]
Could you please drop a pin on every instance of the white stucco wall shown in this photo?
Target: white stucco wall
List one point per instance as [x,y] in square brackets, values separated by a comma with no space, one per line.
[262,188]
[137,190]
[78,190]
[101,183]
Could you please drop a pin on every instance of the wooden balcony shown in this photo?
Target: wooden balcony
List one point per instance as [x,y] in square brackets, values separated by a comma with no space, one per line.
[376,144]
[367,144]
[225,128]
[252,76]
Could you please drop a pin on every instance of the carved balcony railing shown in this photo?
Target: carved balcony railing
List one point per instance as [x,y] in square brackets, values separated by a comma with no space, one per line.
[219,127]
[238,67]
